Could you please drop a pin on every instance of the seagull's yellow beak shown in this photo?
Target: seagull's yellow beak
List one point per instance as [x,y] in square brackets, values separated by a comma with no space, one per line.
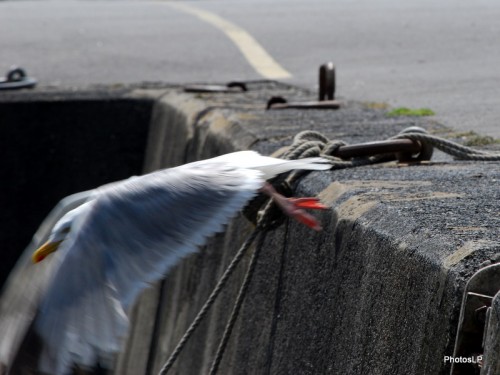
[44,250]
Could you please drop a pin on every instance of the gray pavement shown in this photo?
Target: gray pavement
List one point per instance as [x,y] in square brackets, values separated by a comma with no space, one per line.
[442,55]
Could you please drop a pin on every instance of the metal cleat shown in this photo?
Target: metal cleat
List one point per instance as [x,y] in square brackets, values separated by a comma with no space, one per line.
[326,93]
[17,79]
[231,87]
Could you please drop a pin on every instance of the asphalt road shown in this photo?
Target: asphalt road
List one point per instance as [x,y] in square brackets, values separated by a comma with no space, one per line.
[421,53]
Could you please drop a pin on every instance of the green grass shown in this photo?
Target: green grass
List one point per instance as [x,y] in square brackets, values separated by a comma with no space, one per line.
[418,112]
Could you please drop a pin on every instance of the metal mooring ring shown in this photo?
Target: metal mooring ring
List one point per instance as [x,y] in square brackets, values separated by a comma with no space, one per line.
[426,149]
[16,74]
[16,79]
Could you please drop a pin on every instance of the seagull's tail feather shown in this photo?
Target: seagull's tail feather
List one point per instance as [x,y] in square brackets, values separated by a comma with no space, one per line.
[268,165]
[281,166]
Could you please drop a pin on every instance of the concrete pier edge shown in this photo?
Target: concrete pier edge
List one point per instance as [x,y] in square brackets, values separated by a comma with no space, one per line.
[378,291]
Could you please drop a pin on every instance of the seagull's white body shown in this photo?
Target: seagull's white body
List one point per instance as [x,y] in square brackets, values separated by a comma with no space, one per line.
[128,235]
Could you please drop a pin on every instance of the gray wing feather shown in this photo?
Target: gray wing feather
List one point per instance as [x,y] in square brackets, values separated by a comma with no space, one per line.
[131,235]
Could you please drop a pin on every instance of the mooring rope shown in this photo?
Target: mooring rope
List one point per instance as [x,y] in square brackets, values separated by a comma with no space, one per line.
[312,143]
[210,301]
[305,144]
[260,229]
[237,305]
[460,152]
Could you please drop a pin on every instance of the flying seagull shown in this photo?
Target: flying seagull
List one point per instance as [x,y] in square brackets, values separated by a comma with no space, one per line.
[129,234]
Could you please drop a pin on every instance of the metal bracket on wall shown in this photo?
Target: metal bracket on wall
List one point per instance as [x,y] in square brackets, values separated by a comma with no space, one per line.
[231,87]
[16,78]
[326,93]
[474,316]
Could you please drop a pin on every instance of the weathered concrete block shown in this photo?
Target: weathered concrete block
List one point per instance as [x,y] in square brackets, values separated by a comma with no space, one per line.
[377,292]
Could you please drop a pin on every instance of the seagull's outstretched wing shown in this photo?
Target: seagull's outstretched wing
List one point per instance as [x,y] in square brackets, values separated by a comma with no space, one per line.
[132,233]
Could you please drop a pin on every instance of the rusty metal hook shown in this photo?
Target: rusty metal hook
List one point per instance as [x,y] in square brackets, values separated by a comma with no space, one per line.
[392,146]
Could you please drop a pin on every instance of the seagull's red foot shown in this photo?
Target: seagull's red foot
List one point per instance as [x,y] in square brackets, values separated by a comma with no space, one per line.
[293,207]
[310,203]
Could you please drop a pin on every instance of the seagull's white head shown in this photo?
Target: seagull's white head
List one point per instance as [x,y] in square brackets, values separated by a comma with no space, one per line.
[58,233]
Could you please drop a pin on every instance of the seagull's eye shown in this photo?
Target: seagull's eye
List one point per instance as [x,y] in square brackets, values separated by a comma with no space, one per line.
[65,230]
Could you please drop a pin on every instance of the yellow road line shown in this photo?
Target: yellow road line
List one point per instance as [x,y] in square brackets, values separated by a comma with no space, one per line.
[255,54]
